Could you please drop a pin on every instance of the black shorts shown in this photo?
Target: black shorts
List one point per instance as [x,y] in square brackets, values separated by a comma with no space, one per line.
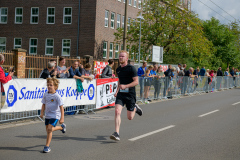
[126,98]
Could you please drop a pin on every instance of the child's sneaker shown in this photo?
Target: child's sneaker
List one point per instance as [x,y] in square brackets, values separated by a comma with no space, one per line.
[46,149]
[64,128]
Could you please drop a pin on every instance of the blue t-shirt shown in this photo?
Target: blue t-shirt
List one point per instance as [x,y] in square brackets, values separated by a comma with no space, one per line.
[202,72]
[74,72]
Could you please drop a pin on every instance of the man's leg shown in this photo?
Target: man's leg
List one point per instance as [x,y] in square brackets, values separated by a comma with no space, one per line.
[131,114]
[118,111]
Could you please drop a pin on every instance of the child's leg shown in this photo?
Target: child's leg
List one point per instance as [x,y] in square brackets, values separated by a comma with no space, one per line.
[50,129]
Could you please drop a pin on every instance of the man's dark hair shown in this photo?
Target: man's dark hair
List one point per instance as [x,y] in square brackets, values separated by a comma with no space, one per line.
[61,58]
[110,61]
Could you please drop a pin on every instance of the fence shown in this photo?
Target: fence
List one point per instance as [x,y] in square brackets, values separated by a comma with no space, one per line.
[9,60]
[164,88]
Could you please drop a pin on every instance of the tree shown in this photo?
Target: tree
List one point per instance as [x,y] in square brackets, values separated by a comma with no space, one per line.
[177,30]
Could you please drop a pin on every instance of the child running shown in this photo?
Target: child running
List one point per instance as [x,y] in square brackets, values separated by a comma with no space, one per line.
[53,107]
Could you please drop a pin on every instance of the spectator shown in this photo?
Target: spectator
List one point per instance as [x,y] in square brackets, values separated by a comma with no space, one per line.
[196,71]
[51,61]
[62,70]
[168,76]
[187,76]
[49,71]
[153,73]
[219,77]
[202,71]
[208,81]
[226,78]
[184,68]
[96,75]
[74,72]
[233,77]
[86,72]
[113,75]
[3,78]
[178,69]
[158,82]
[107,71]
[141,74]
[195,82]
[80,67]
[147,82]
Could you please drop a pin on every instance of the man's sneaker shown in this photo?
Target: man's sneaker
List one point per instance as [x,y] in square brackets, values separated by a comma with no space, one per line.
[115,136]
[46,149]
[138,110]
[64,128]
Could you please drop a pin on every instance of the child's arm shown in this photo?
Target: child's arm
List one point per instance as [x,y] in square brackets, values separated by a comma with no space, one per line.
[62,115]
[42,111]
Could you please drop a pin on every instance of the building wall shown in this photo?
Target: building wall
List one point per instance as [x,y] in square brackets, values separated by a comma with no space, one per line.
[41,31]
[107,33]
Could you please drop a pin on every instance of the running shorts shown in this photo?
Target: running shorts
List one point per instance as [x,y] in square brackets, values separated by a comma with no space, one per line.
[126,98]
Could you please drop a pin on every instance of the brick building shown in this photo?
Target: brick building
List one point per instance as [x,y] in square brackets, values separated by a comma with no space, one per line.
[60,28]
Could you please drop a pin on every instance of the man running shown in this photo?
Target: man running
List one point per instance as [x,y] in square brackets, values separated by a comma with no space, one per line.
[125,94]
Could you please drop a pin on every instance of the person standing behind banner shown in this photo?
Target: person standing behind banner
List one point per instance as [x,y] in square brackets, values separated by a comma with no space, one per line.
[61,69]
[141,74]
[3,78]
[74,72]
[147,82]
[107,71]
[86,72]
[158,82]
[49,71]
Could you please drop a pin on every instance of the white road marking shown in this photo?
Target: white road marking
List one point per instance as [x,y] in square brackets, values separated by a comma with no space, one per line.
[235,103]
[208,113]
[151,133]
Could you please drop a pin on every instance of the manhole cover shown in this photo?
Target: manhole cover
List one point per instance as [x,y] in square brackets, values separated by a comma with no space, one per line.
[95,117]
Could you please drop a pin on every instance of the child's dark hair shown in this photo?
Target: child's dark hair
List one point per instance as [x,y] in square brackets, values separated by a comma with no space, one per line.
[55,82]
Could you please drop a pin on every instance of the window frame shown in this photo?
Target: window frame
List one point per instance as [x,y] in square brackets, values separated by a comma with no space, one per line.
[46,47]
[66,47]
[113,20]
[111,49]
[106,19]
[14,45]
[130,2]
[123,18]
[34,16]
[67,15]
[1,45]
[139,4]
[135,3]
[31,46]
[105,49]
[116,51]
[50,15]
[18,15]
[3,15]
[118,22]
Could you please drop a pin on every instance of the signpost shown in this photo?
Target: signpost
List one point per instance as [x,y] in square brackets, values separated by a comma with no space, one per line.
[157,54]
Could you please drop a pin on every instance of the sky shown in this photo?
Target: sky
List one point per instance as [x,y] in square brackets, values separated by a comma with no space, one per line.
[232,7]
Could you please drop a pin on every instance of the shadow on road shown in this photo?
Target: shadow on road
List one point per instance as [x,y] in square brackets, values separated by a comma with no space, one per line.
[21,148]
[101,139]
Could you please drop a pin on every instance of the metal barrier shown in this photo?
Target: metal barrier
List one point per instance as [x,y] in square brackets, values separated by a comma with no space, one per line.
[165,88]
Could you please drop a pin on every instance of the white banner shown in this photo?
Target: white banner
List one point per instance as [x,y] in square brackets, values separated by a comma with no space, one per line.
[106,88]
[26,94]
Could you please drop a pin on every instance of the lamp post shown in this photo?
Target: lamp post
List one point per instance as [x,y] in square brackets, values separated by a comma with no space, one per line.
[141,18]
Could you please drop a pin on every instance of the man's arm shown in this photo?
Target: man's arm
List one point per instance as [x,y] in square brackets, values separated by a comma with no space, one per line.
[134,83]
[115,95]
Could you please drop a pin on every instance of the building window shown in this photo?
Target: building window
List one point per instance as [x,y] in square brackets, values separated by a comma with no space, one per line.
[2,44]
[50,15]
[112,20]
[3,15]
[130,2]
[117,51]
[122,47]
[34,15]
[111,50]
[139,4]
[122,21]
[123,1]
[128,25]
[67,15]
[104,49]
[17,43]
[18,15]
[66,45]
[49,46]
[33,46]
[118,21]
[119,0]
[135,3]
[106,18]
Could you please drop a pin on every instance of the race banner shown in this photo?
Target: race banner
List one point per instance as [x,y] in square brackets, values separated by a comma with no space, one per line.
[99,66]
[106,88]
[26,94]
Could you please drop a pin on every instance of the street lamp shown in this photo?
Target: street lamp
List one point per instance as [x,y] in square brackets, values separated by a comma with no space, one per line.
[141,18]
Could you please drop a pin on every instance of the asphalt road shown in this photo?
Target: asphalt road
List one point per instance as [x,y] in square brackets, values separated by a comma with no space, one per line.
[204,127]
